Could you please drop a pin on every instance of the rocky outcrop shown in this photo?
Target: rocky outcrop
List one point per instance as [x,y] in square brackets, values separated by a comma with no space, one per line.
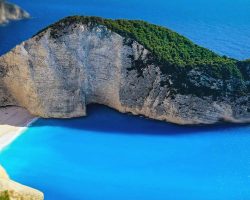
[10,190]
[56,74]
[10,11]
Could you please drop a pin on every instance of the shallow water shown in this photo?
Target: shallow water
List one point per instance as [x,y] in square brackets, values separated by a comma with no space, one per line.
[109,155]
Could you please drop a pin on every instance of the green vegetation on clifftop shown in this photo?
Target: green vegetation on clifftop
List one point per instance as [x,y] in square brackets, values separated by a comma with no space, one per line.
[170,50]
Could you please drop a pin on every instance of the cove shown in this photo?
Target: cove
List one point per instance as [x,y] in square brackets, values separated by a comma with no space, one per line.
[109,155]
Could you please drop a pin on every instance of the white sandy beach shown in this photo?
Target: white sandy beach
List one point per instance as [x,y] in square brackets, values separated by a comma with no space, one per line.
[13,121]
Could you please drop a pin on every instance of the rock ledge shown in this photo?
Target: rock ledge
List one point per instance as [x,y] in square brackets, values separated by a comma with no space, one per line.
[13,190]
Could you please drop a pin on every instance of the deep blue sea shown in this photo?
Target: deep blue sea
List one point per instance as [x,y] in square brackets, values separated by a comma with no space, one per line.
[220,25]
[113,156]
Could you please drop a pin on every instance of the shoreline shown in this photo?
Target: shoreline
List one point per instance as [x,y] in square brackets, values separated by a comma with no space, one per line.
[13,122]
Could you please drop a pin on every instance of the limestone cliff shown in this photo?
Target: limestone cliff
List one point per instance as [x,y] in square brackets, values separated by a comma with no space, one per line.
[72,64]
[10,11]
[12,190]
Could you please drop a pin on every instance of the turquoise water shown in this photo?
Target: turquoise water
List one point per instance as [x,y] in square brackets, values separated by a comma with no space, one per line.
[109,155]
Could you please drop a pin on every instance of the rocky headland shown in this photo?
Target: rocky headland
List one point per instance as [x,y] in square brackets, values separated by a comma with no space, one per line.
[12,190]
[9,11]
[131,66]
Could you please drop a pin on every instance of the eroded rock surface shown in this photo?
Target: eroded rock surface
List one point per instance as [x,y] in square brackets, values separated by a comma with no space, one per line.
[57,75]
[10,190]
[10,11]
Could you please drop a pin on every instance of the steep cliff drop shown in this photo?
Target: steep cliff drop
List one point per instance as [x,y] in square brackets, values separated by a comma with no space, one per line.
[10,11]
[131,66]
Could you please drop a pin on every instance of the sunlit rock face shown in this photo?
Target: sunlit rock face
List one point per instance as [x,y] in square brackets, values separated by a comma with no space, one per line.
[10,11]
[12,190]
[58,75]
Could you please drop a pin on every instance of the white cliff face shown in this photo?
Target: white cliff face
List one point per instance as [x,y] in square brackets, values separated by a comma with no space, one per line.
[58,76]
[10,11]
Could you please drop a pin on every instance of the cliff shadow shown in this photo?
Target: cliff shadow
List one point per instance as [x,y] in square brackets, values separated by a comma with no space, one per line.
[14,116]
[104,119]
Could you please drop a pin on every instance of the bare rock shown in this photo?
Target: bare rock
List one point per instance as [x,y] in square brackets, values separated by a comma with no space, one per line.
[58,75]
[10,11]
[14,191]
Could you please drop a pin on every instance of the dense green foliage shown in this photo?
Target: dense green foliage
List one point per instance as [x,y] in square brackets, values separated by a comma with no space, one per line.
[4,195]
[244,67]
[170,49]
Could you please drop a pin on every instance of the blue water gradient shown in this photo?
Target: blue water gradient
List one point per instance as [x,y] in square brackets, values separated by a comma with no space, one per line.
[220,25]
[113,156]
[109,155]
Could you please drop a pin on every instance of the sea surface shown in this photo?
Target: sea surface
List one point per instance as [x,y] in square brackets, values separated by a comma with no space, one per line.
[220,25]
[113,156]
